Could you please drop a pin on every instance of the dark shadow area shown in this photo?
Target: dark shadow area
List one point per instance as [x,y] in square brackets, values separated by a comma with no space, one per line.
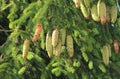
[4,25]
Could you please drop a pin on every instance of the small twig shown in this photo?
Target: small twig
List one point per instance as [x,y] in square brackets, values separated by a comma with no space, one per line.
[6,30]
[6,6]
[3,30]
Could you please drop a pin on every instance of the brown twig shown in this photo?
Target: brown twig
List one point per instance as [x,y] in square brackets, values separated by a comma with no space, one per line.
[5,31]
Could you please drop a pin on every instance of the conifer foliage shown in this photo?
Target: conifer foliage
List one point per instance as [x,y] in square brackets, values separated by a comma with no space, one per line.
[60,39]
